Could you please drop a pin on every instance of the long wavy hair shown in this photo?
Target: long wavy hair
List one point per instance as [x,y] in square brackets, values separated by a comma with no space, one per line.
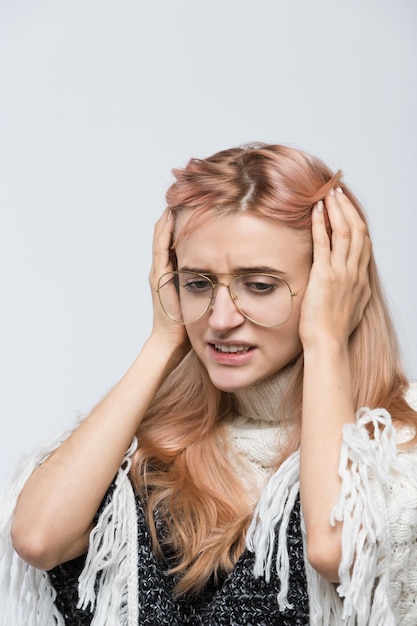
[182,470]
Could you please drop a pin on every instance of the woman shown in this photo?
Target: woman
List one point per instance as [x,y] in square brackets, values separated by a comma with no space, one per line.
[263,482]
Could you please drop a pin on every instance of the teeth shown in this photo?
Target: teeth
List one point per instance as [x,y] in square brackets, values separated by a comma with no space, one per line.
[231,348]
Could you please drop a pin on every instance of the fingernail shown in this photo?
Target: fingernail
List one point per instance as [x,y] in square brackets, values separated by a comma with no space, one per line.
[169,216]
[339,190]
[331,192]
[320,206]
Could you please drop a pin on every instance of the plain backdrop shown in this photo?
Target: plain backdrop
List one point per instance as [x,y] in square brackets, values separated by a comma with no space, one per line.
[99,100]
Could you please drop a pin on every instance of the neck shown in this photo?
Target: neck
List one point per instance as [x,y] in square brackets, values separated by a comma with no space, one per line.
[264,400]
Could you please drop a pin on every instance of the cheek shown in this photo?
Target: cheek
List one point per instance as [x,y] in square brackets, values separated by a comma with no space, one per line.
[287,336]
[195,332]
[293,330]
[296,312]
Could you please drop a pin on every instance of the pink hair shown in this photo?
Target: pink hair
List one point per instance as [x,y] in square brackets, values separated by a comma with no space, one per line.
[181,469]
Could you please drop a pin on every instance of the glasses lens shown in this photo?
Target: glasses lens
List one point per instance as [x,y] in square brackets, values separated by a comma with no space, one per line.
[185,296]
[263,298]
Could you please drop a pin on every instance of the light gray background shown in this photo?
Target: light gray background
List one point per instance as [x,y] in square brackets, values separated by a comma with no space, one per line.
[99,100]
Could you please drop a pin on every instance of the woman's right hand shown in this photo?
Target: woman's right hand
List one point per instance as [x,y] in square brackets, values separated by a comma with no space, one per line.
[163,327]
[57,506]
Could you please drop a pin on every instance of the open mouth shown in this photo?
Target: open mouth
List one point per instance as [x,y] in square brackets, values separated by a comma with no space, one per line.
[231,349]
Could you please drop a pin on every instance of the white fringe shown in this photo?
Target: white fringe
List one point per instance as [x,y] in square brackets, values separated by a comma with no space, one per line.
[109,580]
[325,603]
[27,597]
[274,507]
[366,466]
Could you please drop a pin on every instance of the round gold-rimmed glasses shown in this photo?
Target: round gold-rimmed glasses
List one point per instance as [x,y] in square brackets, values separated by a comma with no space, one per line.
[264,299]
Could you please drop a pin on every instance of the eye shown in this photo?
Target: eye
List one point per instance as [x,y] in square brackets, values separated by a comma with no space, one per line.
[260,284]
[196,284]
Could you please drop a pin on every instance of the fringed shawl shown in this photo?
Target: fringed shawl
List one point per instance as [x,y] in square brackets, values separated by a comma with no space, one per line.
[361,598]
[109,585]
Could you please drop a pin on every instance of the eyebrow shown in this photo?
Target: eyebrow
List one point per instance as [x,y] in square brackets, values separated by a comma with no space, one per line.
[258,269]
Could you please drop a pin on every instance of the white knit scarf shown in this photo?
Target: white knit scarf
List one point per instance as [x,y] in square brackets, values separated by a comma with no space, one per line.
[260,431]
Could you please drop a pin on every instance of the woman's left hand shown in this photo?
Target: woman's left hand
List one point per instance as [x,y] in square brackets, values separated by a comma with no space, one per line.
[338,289]
[333,306]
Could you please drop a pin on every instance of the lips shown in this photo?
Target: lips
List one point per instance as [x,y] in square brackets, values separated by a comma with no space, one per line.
[230,353]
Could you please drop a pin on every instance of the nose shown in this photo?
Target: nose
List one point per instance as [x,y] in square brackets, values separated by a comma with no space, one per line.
[223,314]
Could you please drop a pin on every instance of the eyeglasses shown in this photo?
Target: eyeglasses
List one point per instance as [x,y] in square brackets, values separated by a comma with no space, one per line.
[264,299]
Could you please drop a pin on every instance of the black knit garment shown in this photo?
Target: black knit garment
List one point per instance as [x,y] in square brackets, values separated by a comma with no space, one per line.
[239,600]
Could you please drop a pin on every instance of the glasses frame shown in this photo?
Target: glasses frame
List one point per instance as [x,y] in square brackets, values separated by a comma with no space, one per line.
[293,294]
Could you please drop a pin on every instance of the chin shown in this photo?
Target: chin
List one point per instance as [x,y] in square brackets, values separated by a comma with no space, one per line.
[233,382]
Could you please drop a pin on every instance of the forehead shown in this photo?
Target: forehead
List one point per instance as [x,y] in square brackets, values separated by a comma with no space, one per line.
[225,243]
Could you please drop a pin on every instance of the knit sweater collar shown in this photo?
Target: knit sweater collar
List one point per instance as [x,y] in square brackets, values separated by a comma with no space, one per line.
[263,401]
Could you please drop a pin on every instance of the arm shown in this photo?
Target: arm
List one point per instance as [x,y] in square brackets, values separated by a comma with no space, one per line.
[336,297]
[56,508]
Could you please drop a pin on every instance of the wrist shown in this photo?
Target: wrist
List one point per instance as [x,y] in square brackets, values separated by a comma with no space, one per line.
[325,345]
[165,352]
[327,363]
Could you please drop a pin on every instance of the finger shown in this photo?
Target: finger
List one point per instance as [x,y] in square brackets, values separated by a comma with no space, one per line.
[162,235]
[321,241]
[360,245]
[364,259]
[350,240]
[350,211]
[340,226]
[163,222]
[161,247]
[360,250]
